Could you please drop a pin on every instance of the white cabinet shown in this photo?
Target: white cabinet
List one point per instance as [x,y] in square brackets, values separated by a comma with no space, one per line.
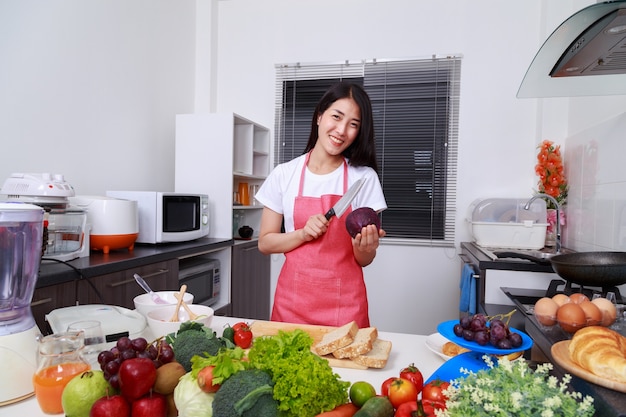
[215,153]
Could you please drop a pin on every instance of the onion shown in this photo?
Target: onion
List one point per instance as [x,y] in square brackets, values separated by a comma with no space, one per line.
[359,218]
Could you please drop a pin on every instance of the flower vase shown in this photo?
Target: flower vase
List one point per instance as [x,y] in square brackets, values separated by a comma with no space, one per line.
[550,239]
[551,229]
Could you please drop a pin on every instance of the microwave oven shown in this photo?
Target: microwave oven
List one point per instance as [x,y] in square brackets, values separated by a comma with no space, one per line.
[201,274]
[168,216]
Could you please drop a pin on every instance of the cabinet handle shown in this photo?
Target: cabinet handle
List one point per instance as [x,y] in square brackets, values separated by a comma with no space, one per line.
[41,302]
[128,281]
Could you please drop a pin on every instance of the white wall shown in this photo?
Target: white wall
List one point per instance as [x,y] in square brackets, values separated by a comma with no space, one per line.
[594,160]
[91,89]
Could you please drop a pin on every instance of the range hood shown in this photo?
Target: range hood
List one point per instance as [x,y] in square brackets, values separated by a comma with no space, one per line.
[584,56]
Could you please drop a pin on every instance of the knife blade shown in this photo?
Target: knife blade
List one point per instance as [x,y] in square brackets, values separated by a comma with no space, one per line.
[342,205]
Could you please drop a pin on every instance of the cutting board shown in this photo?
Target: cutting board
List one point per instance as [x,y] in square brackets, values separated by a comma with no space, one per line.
[271,328]
[560,353]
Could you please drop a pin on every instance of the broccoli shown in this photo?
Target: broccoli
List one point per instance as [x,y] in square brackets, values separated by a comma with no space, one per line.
[247,393]
[193,341]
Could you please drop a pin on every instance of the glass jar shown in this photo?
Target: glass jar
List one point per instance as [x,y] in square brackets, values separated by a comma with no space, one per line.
[59,359]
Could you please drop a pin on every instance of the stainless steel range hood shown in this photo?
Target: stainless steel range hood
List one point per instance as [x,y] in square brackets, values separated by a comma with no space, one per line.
[584,56]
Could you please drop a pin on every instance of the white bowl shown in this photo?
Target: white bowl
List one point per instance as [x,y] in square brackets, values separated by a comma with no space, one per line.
[144,303]
[158,319]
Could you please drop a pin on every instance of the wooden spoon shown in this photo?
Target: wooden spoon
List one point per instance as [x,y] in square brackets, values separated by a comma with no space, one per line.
[180,295]
[192,315]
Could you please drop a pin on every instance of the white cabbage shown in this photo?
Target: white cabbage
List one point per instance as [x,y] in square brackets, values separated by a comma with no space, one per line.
[190,400]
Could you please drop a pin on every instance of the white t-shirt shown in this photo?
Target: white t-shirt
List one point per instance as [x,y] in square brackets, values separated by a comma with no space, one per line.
[280,189]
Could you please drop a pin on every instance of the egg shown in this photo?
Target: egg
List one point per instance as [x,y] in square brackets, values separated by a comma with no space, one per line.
[593,313]
[561,299]
[571,317]
[578,298]
[609,312]
[545,311]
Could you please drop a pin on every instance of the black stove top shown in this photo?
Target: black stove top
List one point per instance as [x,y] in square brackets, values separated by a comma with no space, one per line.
[525,299]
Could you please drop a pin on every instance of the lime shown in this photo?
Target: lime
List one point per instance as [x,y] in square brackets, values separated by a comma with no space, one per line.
[360,392]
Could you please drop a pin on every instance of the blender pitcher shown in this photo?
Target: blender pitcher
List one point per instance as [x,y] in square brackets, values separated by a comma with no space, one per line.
[21,235]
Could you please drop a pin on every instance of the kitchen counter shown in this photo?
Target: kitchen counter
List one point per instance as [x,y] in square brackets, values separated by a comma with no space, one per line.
[608,402]
[99,263]
[506,264]
[407,349]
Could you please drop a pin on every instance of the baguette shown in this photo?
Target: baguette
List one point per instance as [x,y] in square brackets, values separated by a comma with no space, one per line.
[361,344]
[600,351]
[377,357]
[337,338]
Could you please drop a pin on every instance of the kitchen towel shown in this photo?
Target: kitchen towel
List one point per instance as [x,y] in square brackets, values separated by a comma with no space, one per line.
[467,303]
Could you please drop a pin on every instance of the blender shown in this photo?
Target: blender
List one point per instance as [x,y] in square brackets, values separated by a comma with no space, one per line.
[21,235]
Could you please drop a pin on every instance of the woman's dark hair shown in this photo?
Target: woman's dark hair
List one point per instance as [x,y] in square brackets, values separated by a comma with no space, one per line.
[362,152]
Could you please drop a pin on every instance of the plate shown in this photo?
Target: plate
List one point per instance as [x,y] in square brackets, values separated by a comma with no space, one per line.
[451,369]
[446,328]
[560,353]
[435,343]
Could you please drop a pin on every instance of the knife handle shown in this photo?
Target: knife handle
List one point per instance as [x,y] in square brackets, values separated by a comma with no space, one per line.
[330,213]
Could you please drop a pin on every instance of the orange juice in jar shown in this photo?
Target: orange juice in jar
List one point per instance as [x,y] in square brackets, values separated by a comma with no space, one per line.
[59,360]
[49,383]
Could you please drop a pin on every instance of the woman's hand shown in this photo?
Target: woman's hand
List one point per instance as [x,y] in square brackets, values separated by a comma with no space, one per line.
[365,244]
[315,227]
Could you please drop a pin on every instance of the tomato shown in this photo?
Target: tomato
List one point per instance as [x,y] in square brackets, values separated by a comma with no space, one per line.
[401,391]
[434,404]
[384,389]
[433,391]
[429,407]
[242,336]
[413,374]
[405,409]
[240,325]
[205,379]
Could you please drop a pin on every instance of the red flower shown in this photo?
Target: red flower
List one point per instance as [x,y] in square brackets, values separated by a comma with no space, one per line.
[551,172]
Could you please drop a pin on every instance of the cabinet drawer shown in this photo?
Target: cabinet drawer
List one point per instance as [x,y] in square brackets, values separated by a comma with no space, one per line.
[46,299]
[120,288]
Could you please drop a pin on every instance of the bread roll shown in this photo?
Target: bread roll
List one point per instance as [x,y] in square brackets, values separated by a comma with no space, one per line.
[452,349]
[600,351]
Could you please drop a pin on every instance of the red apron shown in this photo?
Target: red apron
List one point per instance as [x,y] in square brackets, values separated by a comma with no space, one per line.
[321,282]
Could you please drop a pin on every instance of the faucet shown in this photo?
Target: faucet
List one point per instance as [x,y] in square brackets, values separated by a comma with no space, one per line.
[558,216]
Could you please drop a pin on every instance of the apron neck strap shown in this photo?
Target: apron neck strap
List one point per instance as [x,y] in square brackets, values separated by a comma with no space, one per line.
[303,174]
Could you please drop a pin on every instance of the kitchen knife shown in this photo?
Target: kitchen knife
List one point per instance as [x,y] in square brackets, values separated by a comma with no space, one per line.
[342,205]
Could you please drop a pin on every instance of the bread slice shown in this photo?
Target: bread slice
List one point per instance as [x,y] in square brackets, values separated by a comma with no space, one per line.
[338,338]
[362,343]
[377,357]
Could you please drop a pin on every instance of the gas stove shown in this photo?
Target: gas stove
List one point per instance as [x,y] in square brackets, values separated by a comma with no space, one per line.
[525,299]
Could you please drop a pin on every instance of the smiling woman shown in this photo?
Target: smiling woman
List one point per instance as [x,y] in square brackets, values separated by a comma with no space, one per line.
[321,281]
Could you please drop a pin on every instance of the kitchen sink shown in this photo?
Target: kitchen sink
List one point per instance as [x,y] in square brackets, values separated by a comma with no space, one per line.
[541,256]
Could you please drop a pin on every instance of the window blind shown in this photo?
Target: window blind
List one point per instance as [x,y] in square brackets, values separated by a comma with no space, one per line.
[415,104]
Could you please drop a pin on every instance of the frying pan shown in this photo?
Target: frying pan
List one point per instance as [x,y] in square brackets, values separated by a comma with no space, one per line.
[599,269]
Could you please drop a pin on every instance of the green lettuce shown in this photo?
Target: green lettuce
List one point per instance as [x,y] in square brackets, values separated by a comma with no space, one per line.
[305,384]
